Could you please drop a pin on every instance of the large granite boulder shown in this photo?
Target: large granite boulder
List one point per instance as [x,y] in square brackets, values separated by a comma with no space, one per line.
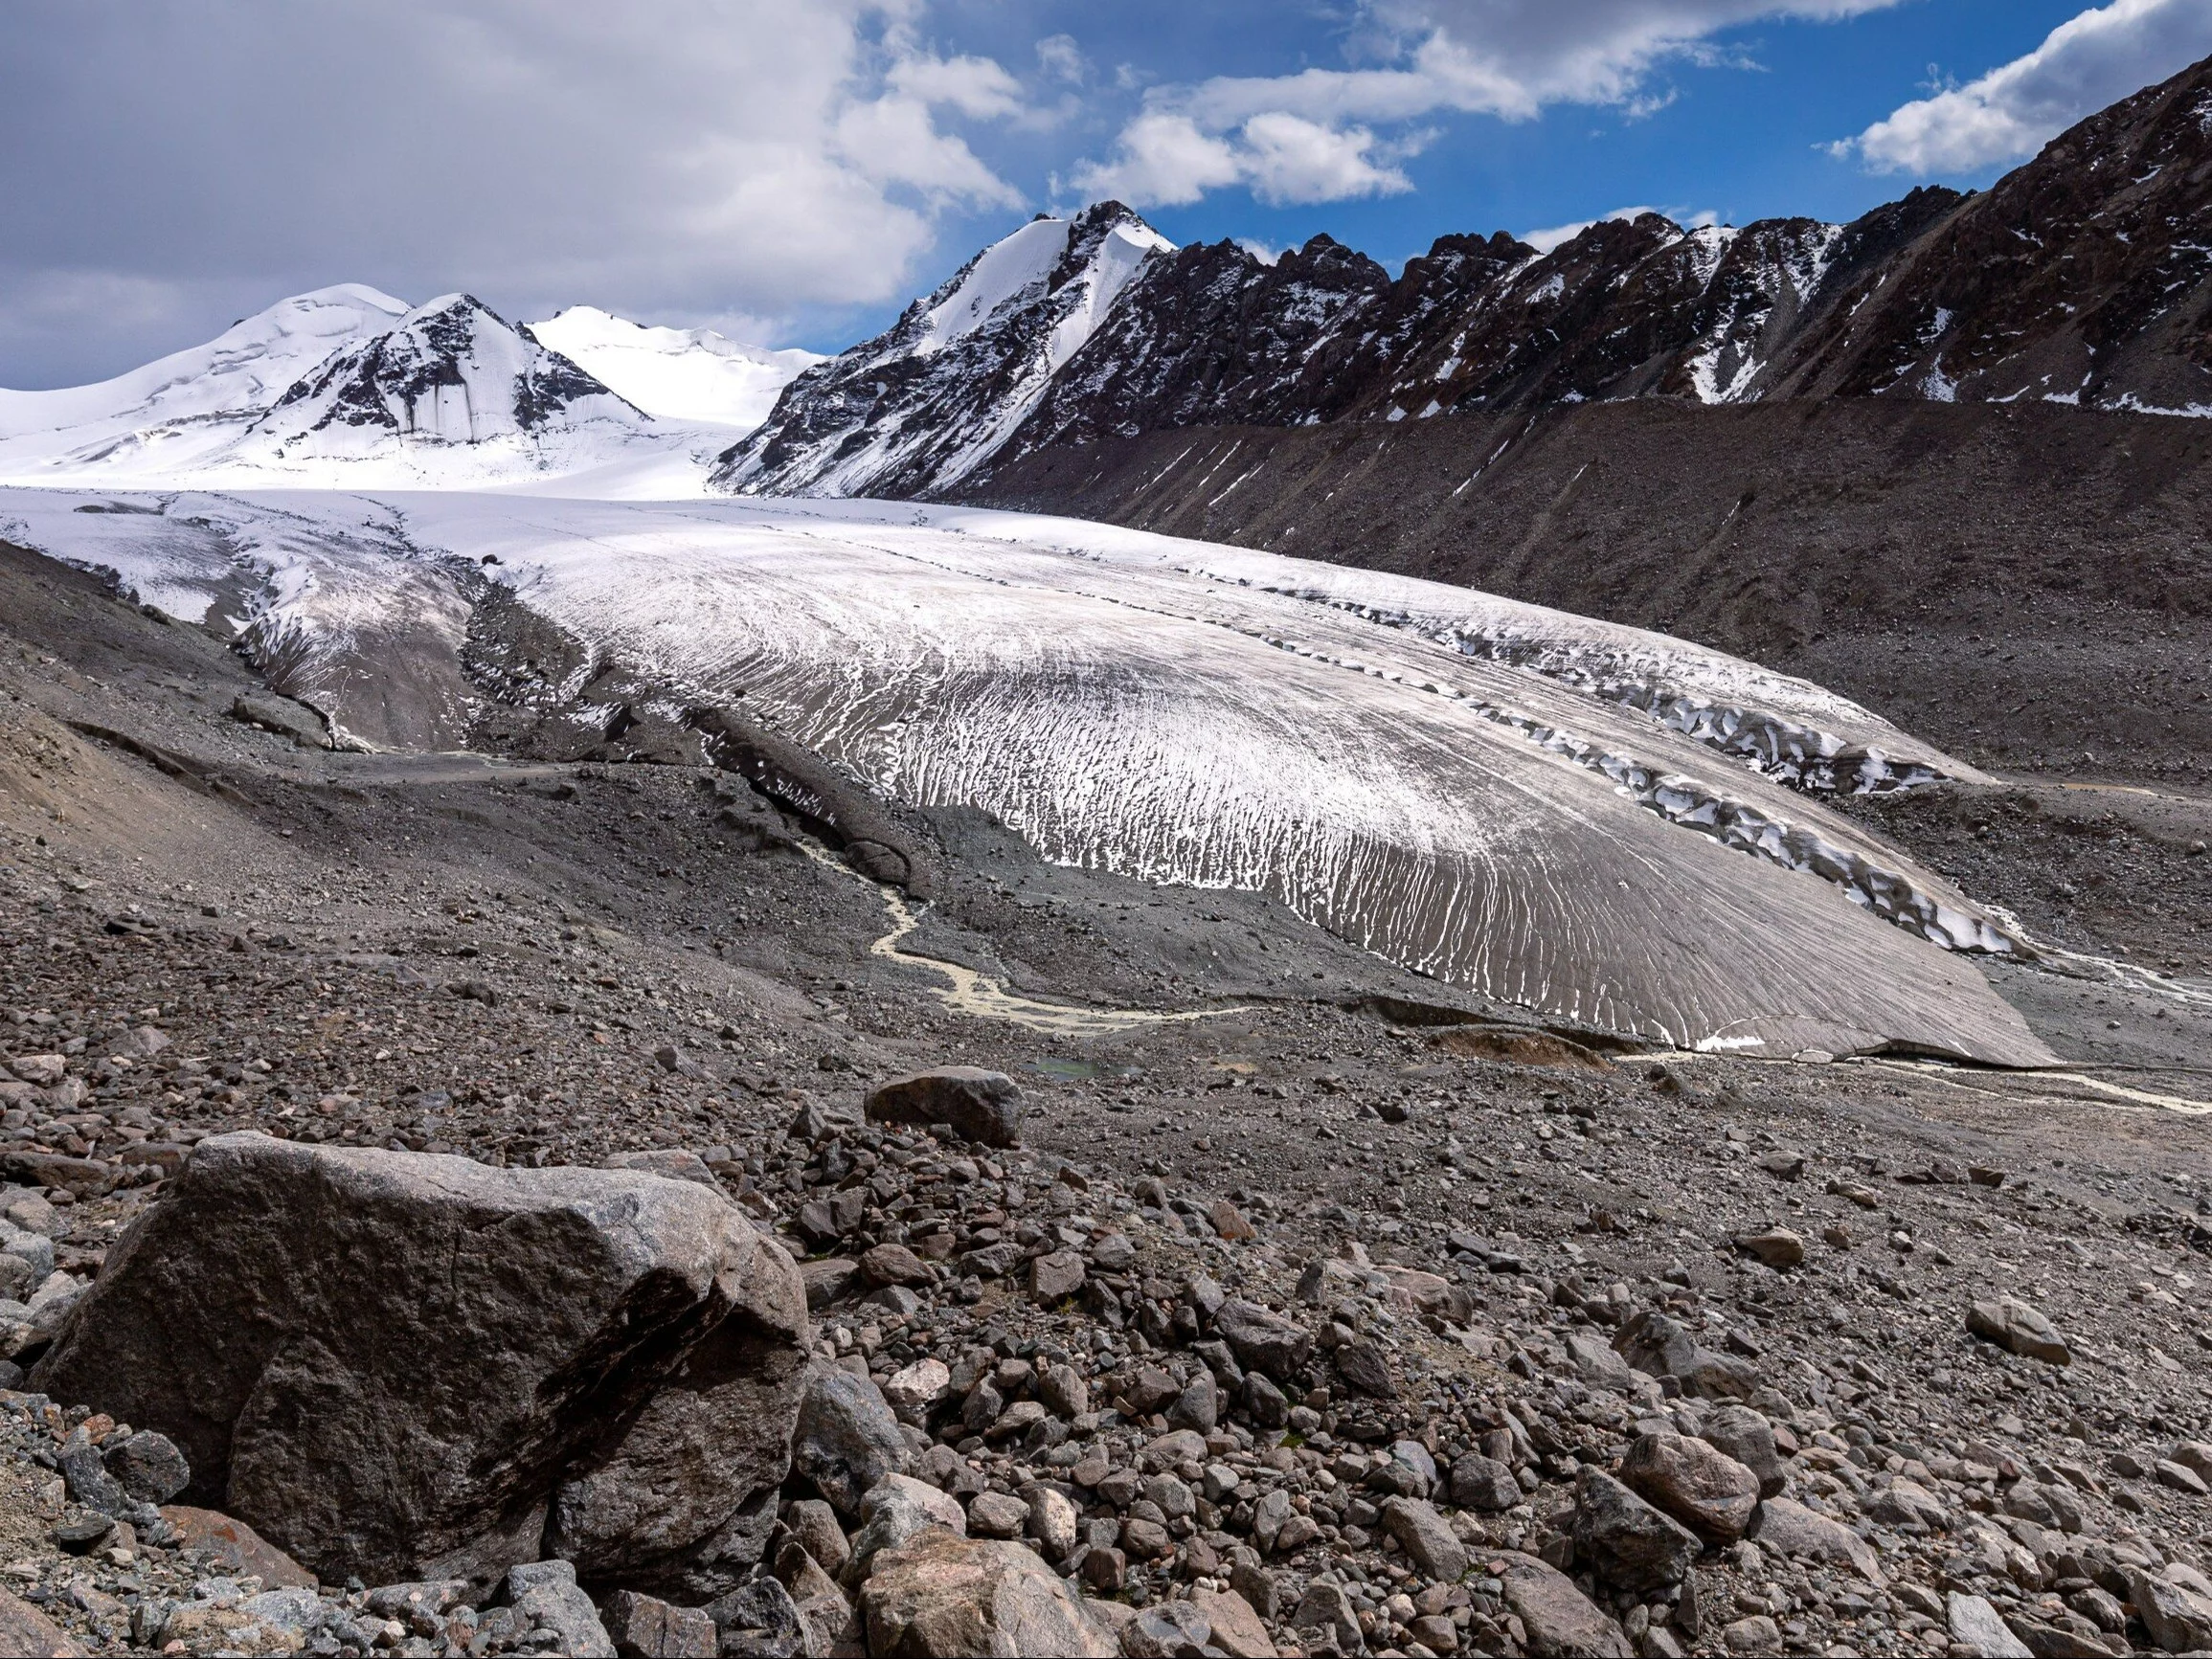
[942,1596]
[395,1364]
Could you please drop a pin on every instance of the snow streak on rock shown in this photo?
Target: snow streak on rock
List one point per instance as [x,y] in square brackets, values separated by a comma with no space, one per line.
[925,403]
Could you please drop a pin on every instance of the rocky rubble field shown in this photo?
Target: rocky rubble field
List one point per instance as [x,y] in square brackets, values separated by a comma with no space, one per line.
[457,1208]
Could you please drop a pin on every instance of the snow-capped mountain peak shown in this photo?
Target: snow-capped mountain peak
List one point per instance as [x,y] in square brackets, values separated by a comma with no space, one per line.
[935,394]
[692,374]
[451,371]
[183,408]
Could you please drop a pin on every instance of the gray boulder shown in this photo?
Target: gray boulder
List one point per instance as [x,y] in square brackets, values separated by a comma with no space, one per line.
[895,1509]
[150,1467]
[277,1313]
[544,1597]
[1262,1340]
[982,1106]
[1696,1483]
[847,1437]
[1482,1483]
[1627,1542]
[1559,1617]
[1661,1346]
[1747,1436]
[946,1597]
[758,1621]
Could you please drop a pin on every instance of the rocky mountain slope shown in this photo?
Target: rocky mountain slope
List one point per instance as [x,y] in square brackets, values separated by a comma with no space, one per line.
[2080,278]
[938,393]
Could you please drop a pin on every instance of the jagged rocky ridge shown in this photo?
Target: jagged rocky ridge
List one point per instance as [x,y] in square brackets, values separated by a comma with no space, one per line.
[2078,279]
[941,390]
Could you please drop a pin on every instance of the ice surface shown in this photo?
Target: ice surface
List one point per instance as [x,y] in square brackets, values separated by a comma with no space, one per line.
[682,375]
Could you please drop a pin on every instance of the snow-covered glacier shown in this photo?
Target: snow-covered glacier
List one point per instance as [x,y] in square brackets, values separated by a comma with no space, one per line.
[1544,809]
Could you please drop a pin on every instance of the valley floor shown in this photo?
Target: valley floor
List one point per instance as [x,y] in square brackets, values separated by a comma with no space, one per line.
[531,961]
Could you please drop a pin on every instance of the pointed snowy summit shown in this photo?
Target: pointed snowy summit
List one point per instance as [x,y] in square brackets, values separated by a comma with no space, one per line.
[932,397]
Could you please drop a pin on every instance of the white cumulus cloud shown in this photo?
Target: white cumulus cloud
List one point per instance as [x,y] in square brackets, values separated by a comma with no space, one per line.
[1509,58]
[2084,64]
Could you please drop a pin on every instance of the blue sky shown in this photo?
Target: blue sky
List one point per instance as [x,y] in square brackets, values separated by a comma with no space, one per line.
[792,171]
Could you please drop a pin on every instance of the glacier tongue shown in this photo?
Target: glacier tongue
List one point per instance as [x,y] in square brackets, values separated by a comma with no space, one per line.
[1181,713]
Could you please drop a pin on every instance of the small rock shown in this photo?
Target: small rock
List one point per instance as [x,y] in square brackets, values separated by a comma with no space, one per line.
[2018,1329]
[911,1390]
[1262,1340]
[1756,1634]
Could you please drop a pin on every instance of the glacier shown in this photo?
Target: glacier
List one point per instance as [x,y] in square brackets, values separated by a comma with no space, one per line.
[1545,810]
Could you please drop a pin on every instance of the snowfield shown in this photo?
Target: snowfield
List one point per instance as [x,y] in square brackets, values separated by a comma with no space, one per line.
[1589,821]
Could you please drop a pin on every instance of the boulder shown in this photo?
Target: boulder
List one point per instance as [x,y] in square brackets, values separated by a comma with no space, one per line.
[1167,1630]
[1661,1346]
[896,1509]
[544,1597]
[1976,1624]
[1482,1483]
[2018,1329]
[1261,1340]
[2180,1620]
[1791,1529]
[943,1595]
[273,1313]
[1695,1482]
[757,1621]
[24,1630]
[981,1106]
[643,1628]
[1747,1436]
[847,1438]
[148,1467]
[1623,1539]
[1237,1627]
[1560,1620]
[235,1548]
[1426,1536]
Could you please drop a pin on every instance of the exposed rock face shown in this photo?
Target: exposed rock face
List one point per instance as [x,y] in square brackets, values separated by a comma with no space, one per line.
[947,1596]
[926,401]
[273,1314]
